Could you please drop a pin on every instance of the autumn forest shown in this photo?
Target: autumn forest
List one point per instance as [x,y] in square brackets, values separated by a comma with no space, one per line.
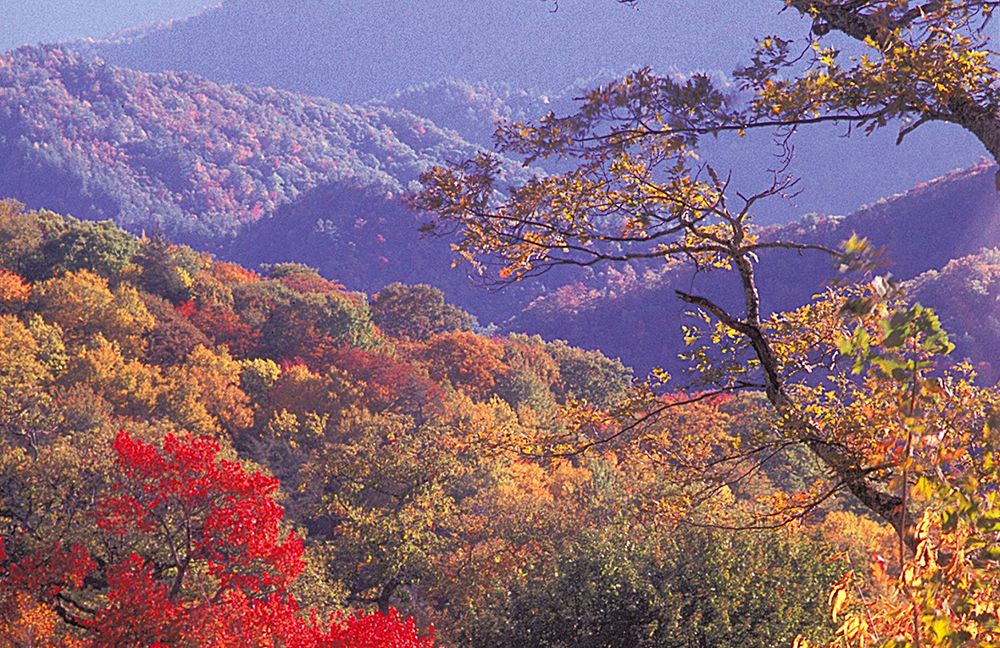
[503,354]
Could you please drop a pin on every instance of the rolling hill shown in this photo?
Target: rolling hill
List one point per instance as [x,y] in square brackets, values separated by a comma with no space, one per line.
[354,52]
[264,176]
[256,174]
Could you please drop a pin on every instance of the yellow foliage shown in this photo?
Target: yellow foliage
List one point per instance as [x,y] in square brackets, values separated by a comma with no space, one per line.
[30,624]
[217,376]
[20,365]
[82,304]
[132,387]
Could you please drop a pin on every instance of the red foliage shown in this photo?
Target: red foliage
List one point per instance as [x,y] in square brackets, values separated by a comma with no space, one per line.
[13,288]
[187,309]
[231,516]
[45,574]
[215,521]
[139,610]
[386,383]
[223,326]
[378,631]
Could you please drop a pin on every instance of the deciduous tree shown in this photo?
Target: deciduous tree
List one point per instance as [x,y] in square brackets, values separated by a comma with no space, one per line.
[193,555]
[635,189]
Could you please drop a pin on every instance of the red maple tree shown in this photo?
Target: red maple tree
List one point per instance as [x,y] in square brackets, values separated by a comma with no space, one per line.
[199,558]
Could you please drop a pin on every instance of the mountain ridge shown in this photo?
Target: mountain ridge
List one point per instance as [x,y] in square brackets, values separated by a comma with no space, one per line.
[379,50]
[211,165]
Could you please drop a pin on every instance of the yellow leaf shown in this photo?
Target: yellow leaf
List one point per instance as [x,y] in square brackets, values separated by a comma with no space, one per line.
[837,598]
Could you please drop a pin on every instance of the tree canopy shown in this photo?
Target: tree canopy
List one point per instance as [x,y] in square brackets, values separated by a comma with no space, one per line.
[197,454]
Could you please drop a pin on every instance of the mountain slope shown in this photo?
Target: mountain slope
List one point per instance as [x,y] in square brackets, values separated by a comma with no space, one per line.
[966,292]
[399,53]
[192,156]
[257,174]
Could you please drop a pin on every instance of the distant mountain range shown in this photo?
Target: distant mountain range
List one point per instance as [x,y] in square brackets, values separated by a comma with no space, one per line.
[354,52]
[196,158]
[523,52]
[254,174]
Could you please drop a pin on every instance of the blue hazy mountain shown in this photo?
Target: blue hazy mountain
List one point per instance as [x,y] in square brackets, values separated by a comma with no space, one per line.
[262,175]
[353,51]
[521,53]
[940,237]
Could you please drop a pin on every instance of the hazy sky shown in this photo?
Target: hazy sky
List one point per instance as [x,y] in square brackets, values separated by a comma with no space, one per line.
[34,21]
[697,22]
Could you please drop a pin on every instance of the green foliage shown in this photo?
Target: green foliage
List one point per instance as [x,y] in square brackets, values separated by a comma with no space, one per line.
[531,375]
[626,586]
[281,270]
[162,270]
[416,312]
[257,376]
[590,375]
[73,245]
[385,480]
[910,341]
[20,234]
[43,245]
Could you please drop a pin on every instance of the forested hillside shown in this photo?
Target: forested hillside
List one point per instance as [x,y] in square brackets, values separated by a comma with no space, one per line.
[259,175]
[193,158]
[473,109]
[252,392]
[265,176]
[323,449]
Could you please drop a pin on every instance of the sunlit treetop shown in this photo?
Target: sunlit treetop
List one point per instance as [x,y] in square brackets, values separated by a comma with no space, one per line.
[920,62]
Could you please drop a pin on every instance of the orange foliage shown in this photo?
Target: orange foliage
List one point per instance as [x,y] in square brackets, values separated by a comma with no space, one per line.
[13,290]
[307,282]
[470,362]
[26,623]
[230,273]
